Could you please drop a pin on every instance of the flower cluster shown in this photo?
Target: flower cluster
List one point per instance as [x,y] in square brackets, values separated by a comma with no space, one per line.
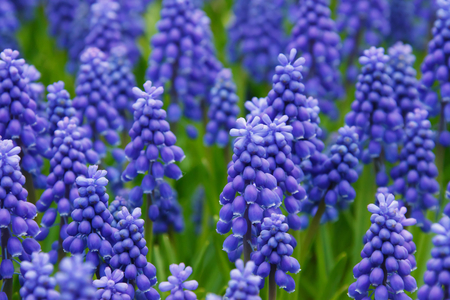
[425,13]
[93,100]
[111,286]
[243,284]
[16,214]
[403,75]
[61,15]
[256,36]
[314,35]
[435,69]
[435,278]
[275,247]
[223,110]
[130,250]
[165,212]
[374,113]
[414,177]
[181,54]
[115,207]
[401,20]
[75,279]
[90,227]
[365,23]
[387,256]
[26,7]
[35,89]
[59,106]
[37,283]
[332,184]
[8,25]
[177,285]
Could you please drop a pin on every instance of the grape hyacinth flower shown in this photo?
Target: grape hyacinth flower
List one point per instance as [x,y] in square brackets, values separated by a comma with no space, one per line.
[425,13]
[249,175]
[35,88]
[403,75]
[8,26]
[166,212]
[182,55]
[222,111]
[93,100]
[366,23]
[90,228]
[130,250]
[111,286]
[375,114]
[16,214]
[71,151]
[387,256]
[273,257]
[75,279]
[315,36]
[37,282]
[243,284]
[435,70]
[401,20]
[436,285]
[415,176]
[115,207]
[256,107]
[152,149]
[26,8]
[256,36]
[334,179]
[59,106]
[61,15]
[177,285]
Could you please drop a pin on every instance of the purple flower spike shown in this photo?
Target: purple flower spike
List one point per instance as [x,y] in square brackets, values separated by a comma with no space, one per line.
[315,36]
[36,276]
[223,110]
[59,105]
[243,284]
[388,254]
[256,36]
[275,247]
[111,286]
[61,15]
[75,278]
[415,176]
[177,285]
[9,24]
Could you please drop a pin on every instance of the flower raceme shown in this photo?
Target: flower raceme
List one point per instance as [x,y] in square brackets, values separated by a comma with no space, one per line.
[75,279]
[243,284]
[177,285]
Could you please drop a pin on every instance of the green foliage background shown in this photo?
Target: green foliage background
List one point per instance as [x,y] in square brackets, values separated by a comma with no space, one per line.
[326,253]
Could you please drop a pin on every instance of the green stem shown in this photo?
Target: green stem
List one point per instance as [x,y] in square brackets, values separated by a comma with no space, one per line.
[272,284]
[312,232]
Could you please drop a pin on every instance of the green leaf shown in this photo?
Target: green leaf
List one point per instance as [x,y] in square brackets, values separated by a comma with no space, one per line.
[334,279]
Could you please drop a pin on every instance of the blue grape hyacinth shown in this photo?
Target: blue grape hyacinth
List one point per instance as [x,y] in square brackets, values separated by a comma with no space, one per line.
[166,213]
[61,15]
[37,280]
[115,207]
[375,114]
[8,26]
[243,283]
[74,279]
[366,23]
[387,256]
[315,37]
[59,106]
[415,176]
[436,283]
[403,75]
[223,110]
[111,286]
[256,36]
[93,101]
[274,255]
[177,285]
[90,228]
[130,250]
[401,21]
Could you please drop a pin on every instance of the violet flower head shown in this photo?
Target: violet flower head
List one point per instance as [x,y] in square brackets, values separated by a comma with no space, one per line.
[315,37]
[374,113]
[435,278]
[8,26]
[388,254]
[366,23]
[401,21]
[16,214]
[37,282]
[243,284]
[334,179]
[26,8]
[75,279]
[415,176]
[115,207]
[111,286]
[93,100]
[90,228]
[403,75]
[61,15]
[256,36]
[177,285]
[59,105]
[223,110]
[166,212]
[436,73]
[425,13]
[256,107]
[275,247]
[130,250]
[35,88]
